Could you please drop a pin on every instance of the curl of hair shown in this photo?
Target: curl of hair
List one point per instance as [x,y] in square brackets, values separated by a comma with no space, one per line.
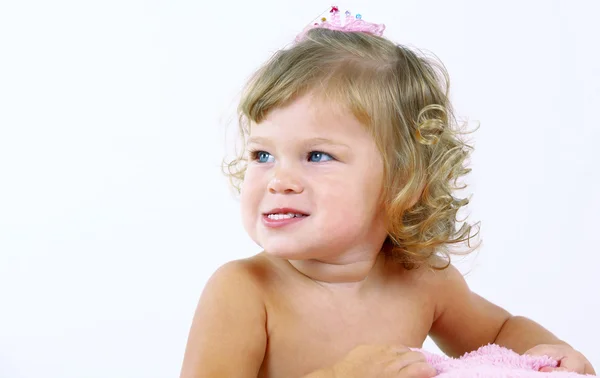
[402,98]
[422,229]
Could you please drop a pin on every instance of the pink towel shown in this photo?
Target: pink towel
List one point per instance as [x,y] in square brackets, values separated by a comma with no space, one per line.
[493,361]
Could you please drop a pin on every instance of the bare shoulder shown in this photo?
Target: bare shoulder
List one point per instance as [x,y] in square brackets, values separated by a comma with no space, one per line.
[446,278]
[228,333]
[447,283]
[463,320]
[428,278]
[250,273]
[439,286]
[252,276]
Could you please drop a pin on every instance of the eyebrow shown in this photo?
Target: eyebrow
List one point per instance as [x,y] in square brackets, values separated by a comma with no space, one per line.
[309,142]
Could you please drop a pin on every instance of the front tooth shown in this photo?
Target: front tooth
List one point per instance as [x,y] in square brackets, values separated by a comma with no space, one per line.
[281,216]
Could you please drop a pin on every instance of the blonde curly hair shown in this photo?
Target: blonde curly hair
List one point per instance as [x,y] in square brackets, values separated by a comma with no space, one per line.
[403,101]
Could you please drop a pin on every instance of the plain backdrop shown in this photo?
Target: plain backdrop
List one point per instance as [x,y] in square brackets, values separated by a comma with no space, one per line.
[114,211]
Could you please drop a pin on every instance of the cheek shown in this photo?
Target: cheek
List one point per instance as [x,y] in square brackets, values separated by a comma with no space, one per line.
[252,179]
[248,194]
[357,199]
[343,204]
[253,188]
[248,209]
[361,187]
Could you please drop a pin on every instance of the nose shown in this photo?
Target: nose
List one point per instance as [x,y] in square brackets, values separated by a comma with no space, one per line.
[284,181]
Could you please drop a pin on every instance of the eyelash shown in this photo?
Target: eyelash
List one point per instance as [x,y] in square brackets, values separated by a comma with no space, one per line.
[254,154]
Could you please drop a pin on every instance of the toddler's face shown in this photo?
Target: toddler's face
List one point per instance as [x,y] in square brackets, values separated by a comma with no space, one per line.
[313,184]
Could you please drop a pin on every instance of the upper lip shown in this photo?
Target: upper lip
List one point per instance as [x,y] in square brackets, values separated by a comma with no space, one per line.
[285,210]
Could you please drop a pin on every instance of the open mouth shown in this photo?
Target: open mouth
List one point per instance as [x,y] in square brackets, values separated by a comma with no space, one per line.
[283,216]
[280,216]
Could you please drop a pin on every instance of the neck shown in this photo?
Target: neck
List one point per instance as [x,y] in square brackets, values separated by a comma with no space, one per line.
[345,272]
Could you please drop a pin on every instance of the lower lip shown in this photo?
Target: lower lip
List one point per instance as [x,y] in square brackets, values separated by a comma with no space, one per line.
[275,223]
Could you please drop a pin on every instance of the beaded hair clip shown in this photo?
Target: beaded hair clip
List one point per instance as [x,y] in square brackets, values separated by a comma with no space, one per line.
[351,24]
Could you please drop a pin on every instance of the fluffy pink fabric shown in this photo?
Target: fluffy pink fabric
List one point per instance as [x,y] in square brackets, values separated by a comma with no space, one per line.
[493,361]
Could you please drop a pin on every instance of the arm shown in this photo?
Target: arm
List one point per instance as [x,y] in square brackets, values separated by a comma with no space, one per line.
[518,332]
[228,333]
[465,321]
[521,334]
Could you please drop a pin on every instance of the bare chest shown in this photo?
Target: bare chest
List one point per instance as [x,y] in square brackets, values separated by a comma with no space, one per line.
[307,334]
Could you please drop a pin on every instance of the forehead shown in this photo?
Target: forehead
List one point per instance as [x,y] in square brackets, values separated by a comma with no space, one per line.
[308,114]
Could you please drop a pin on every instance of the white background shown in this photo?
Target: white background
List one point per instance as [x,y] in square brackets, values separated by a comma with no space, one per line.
[114,212]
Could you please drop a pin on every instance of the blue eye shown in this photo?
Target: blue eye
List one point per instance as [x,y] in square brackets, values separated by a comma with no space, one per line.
[262,156]
[318,156]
